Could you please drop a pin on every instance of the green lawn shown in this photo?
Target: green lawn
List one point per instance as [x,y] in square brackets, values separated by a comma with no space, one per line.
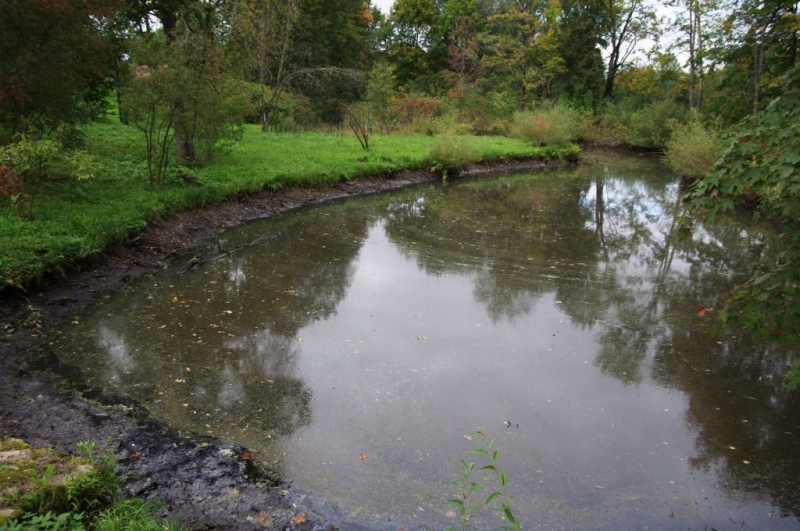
[74,220]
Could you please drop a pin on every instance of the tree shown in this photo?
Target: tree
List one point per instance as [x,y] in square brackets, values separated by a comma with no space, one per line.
[691,23]
[760,39]
[628,23]
[581,24]
[55,61]
[508,44]
[762,164]
[262,31]
[462,54]
[413,23]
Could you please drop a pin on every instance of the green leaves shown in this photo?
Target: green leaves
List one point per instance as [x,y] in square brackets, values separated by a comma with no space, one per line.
[498,500]
[761,166]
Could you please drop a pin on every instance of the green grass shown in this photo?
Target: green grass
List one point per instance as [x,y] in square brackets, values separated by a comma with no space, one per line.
[74,221]
[45,490]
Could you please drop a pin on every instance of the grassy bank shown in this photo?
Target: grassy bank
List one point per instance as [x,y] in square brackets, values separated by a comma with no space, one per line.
[74,220]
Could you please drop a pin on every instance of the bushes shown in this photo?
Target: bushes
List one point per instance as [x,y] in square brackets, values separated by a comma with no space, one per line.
[692,149]
[452,151]
[648,127]
[558,124]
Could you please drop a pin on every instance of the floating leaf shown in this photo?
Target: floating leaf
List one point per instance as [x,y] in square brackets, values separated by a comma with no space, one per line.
[362,457]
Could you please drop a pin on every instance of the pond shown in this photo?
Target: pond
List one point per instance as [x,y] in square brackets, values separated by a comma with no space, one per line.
[355,346]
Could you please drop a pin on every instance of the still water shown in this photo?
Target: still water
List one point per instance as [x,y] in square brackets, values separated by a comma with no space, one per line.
[355,348]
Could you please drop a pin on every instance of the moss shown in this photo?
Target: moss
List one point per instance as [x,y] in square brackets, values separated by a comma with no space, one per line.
[35,476]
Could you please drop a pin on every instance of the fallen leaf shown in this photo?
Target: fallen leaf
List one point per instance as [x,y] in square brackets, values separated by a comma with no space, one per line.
[468,437]
[746,462]
[703,310]
[362,457]
[300,339]
[136,455]
[299,519]
[263,519]
[246,455]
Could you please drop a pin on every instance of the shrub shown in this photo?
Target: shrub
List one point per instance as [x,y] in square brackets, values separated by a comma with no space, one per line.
[554,125]
[415,113]
[651,126]
[449,152]
[29,160]
[692,149]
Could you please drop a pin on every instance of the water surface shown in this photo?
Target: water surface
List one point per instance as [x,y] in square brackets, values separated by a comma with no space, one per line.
[355,348]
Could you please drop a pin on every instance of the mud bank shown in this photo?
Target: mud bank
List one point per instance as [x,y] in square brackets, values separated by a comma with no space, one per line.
[205,483]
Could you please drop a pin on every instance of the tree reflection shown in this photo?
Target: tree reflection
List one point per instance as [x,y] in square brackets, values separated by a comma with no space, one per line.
[607,244]
[213,350]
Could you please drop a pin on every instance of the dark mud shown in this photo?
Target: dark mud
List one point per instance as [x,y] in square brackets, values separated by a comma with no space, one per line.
[203,482]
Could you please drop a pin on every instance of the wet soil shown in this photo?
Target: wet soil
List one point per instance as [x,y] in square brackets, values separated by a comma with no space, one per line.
[203,482]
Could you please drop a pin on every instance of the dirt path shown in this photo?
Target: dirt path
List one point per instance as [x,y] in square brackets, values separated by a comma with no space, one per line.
[206,483]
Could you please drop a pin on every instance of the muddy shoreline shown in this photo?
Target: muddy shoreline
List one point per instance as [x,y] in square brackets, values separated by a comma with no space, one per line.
[203,482]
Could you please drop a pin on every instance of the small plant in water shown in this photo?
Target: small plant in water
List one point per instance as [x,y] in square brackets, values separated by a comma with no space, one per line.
[498,500]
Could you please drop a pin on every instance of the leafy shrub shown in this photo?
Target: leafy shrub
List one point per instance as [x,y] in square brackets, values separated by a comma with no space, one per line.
[449,152]
[547,126]
[29,160]
[761,160]
[692,149]
[415,113]
[651,126]
[450,123]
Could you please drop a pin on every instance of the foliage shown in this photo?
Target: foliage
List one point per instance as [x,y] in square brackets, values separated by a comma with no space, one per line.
[449,152]
[48,521]
[651,126]
[546,126]
[168,99]
[86,492]
[792,377]
[506,42]
[28,160]
[55,62]
[762,163]
[86,501]
[133,515]
[692,149]
[413,111]
[413,37]
[498,500]
[380,88]
[629,22]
